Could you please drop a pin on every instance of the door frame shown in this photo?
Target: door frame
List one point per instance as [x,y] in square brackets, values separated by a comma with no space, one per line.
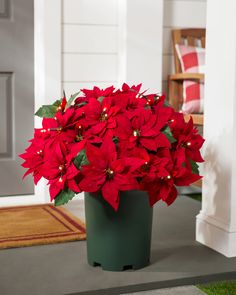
[48,77]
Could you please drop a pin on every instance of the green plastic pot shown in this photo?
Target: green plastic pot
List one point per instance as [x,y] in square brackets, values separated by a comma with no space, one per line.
[119,240]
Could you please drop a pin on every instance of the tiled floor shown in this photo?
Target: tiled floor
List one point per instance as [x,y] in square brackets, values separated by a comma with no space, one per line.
[76,206]
[176,259]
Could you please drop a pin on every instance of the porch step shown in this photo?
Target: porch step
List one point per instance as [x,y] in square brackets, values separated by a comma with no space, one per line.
[183,290]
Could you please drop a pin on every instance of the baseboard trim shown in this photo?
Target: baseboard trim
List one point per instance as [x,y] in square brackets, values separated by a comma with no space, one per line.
[215,237]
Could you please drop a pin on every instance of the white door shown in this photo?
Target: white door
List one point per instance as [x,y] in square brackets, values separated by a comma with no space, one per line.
[16,92]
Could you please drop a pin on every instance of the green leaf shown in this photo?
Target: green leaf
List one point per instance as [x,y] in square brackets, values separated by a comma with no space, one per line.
[115,139]
[169,134]
[167,104]
[100,99]
[64,197]
[57,103]
[156,97]
[47,111]
[195,167]
[72,98]
[81,104]
[81,159]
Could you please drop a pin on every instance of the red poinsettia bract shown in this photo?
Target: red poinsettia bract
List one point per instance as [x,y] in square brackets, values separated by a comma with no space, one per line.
[107,173]
[108,141]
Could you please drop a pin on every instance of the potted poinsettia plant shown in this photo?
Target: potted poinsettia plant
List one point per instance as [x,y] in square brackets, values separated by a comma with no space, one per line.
[126,150]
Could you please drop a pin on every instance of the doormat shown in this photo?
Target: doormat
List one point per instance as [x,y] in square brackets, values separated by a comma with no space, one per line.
[38,225]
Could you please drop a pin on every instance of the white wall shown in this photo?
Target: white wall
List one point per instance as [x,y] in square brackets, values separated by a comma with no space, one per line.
[110,42]
[144,43]
[89,44]
[179,14]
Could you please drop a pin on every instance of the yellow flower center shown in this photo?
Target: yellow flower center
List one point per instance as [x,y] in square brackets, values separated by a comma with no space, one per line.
[103,115]
[110,173]
[136,133]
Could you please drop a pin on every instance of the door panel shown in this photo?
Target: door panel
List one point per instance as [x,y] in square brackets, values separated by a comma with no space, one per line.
[6,115]
[4,8]
[16,92]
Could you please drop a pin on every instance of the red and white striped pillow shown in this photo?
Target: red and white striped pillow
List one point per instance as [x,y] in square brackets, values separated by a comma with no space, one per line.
[192,60]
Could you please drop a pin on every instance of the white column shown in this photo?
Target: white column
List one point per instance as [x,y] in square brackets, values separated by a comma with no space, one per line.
[140,46]
[216,222]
